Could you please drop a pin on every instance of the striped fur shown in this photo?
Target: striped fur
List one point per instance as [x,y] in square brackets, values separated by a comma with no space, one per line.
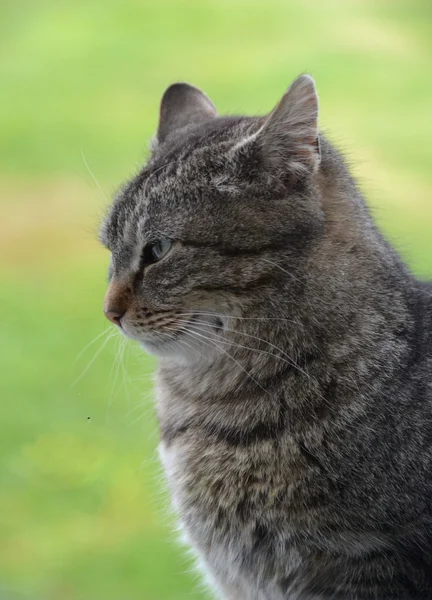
[294,390]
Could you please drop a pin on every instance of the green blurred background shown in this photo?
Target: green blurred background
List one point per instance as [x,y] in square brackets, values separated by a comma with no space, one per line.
[83,511]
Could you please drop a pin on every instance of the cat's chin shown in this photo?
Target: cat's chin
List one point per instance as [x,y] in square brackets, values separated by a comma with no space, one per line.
[161,349]
[181,350]
[176,353]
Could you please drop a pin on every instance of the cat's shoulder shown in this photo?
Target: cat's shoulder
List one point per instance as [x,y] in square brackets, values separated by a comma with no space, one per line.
[425,290]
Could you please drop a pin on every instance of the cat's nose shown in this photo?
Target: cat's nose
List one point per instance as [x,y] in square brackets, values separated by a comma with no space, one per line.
[116,302]
[114,315]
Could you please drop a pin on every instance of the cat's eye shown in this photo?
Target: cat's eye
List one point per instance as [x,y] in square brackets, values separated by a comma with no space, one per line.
[155,251]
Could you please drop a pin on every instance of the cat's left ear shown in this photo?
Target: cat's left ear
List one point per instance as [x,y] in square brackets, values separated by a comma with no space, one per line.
[289,138]
[183,104]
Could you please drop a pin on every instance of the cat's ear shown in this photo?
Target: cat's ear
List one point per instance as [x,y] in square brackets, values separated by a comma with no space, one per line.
[289,138]
[183,104]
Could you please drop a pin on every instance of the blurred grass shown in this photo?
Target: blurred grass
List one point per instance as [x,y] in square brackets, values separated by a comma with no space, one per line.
[83,512]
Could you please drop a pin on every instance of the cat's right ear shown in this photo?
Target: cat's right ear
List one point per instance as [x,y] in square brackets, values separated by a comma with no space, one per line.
[183,104]
[289,139]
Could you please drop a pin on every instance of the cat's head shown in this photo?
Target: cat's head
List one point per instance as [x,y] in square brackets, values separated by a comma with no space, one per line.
[217,227]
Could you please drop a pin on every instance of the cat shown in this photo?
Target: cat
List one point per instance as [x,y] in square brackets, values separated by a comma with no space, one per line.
[294,388]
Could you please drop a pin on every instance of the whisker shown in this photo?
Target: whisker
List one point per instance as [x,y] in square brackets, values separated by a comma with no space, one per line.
[208,314]
[283,271]
[221,315]
[230,356]
[125,377]
[153,174]
[93,177]
[289,360]
[85,370]
[147,412]
[270,262]
[237,345]
[95,339]
[115,364]
[180,342]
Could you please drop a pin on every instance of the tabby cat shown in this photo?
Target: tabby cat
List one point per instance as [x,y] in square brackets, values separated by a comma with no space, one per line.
[294,389]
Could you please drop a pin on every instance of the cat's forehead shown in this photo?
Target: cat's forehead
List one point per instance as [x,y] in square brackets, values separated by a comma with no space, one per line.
[186,170]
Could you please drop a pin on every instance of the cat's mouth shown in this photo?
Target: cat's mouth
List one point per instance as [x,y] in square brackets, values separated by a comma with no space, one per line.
[209,320]
[194,333]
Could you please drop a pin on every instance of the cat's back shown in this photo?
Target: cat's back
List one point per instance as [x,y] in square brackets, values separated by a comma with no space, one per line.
[424,315]
[426,291]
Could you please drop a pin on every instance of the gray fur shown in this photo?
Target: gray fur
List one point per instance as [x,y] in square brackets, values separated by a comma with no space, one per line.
[294,390]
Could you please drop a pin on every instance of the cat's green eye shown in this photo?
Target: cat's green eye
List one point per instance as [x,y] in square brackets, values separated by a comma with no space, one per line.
[155,251]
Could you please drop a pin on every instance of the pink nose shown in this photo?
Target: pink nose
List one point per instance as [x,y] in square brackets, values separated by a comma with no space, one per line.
[114,315]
